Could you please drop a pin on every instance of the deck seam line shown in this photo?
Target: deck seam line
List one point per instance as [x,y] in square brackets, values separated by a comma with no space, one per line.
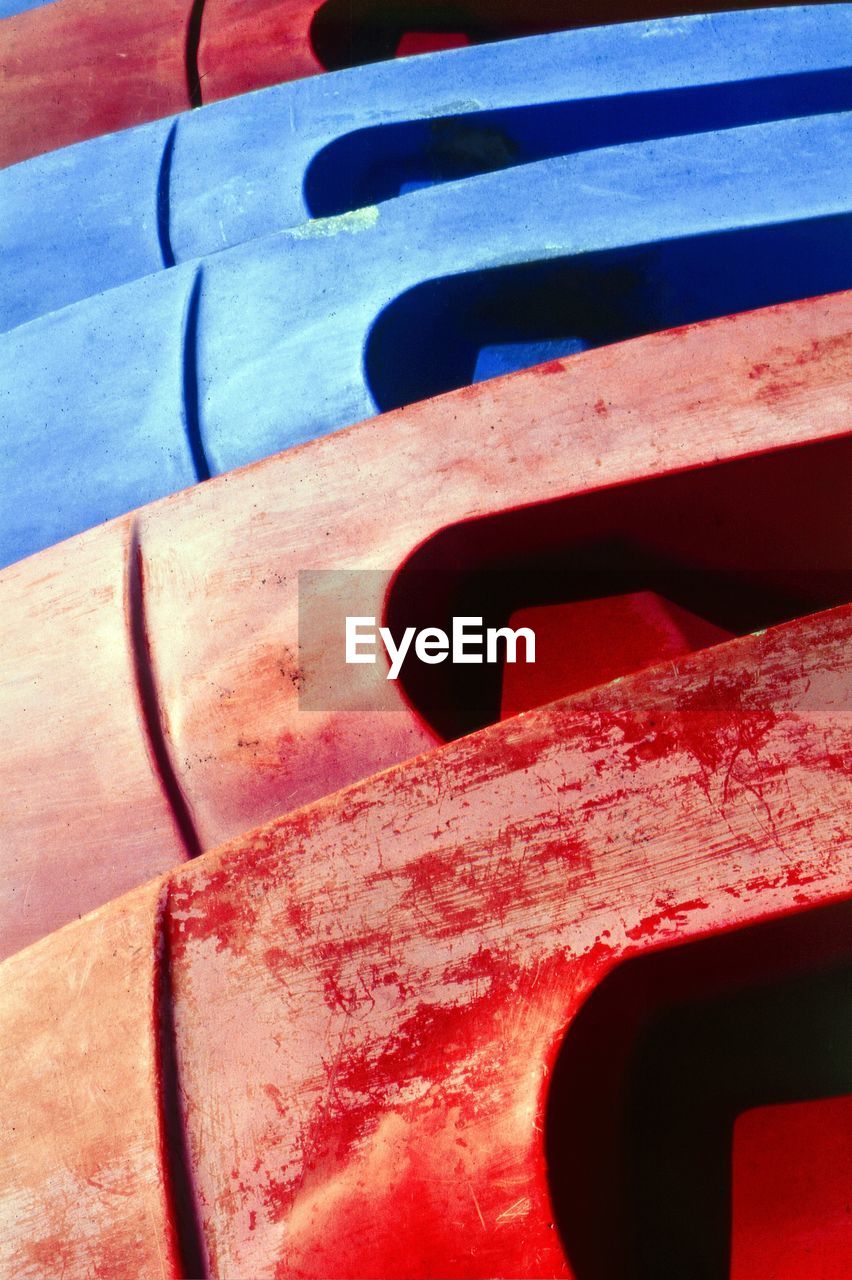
[148,698]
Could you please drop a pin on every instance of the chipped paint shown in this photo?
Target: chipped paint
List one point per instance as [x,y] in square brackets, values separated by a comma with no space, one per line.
[367,995]
[351,223]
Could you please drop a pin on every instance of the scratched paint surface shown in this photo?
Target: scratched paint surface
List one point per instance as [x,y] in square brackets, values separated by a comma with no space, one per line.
[77,68]
[220,744]
[365,997]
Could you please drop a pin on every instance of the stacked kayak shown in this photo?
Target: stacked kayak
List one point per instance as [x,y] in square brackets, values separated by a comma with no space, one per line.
[74,69]
[179,627]
[125,205]
[362,1040]
[217,362]
[421,964]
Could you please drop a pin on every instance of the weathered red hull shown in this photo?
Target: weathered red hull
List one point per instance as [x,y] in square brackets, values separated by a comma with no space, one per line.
[332,1048]
[72,70]
[175,718]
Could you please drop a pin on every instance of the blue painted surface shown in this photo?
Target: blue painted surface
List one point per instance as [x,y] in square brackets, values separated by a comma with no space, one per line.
[113,209]
[139,391]
[8,8]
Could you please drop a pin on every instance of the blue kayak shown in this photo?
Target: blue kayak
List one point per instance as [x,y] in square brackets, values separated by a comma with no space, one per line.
[148,387]
[111,210]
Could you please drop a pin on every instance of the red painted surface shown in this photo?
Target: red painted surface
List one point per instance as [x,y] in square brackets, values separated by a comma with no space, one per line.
[360,1006]
[589,642]
[116,788]
[72,69]
[792,1209]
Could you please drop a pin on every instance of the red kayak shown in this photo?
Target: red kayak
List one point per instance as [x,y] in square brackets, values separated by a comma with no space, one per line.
[73,69]
[392,1034]
[154,678]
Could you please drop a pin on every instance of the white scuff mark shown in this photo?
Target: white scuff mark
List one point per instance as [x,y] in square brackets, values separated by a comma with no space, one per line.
[668,28]
[610,193]
[520,1209]
[353,222]
[476,1205]
[460,107]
